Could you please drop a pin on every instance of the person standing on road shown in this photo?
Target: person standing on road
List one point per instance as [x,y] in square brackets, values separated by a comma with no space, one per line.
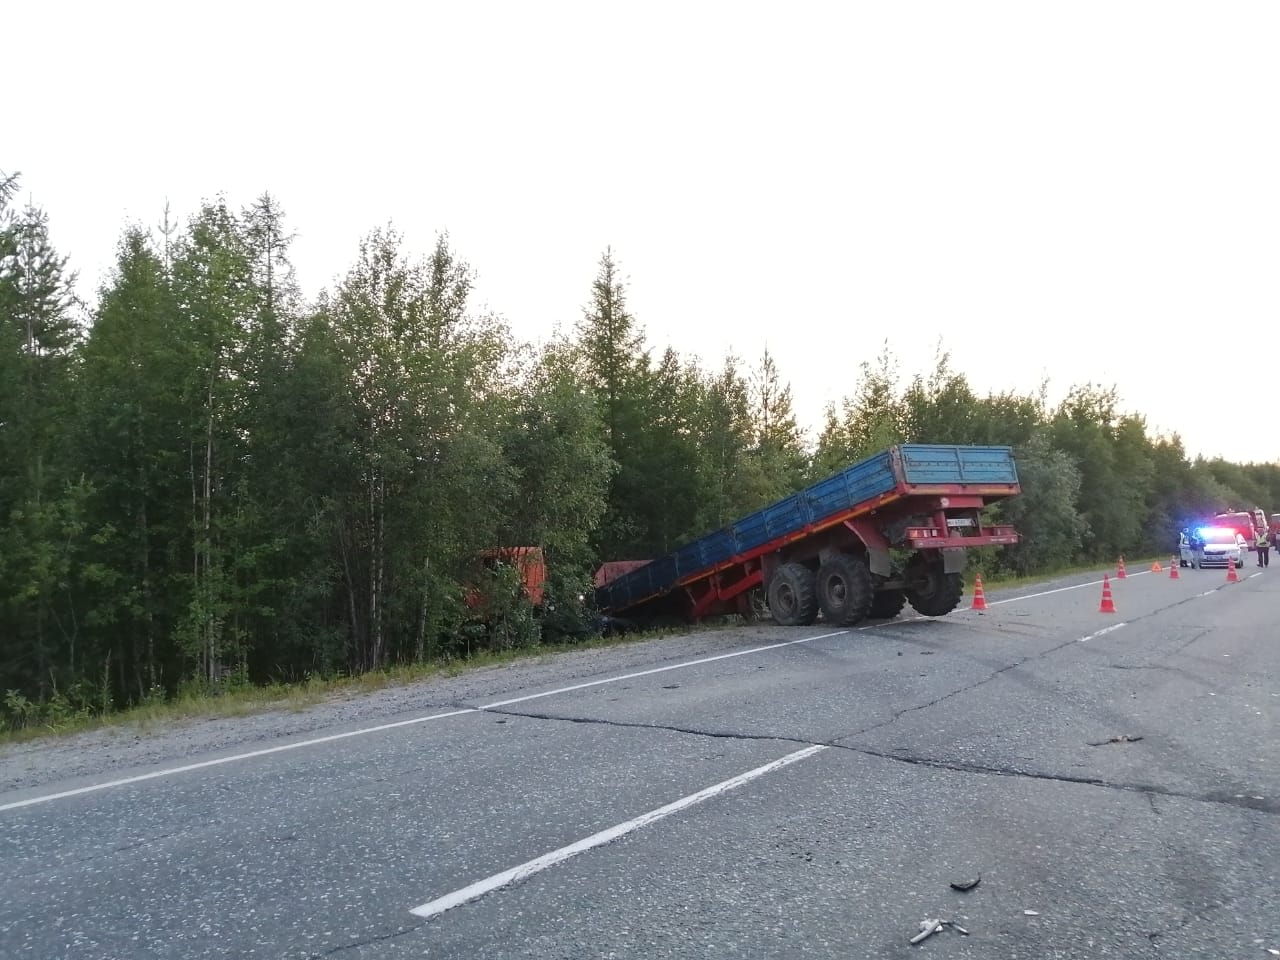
[1263,543]
[1197,549]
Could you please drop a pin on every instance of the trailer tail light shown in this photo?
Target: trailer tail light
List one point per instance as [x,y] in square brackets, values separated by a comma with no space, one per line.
[922,533]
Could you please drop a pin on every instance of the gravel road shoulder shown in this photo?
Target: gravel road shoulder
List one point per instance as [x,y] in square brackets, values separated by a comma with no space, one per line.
[123,747]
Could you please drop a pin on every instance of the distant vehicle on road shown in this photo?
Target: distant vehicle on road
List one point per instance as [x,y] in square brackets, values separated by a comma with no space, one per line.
[1241,522]
[1221,545]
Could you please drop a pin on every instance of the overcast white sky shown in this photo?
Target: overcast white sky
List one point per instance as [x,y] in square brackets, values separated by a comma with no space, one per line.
[1085,190]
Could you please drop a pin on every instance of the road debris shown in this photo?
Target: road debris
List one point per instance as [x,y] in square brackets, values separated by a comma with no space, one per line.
[1121,738]
[929,927]
[1031,913]
[967,885]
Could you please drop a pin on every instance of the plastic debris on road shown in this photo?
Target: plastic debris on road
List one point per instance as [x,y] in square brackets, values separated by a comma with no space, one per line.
[929,927]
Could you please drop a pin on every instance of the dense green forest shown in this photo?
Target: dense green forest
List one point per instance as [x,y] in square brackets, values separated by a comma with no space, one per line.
[208,478]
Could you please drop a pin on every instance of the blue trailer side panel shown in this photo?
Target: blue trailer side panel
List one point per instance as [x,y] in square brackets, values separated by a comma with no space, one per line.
[912,464]
[861,481]
[924,464]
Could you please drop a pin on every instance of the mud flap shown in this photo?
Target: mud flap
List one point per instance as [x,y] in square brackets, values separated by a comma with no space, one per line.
[880,563]
[954,560]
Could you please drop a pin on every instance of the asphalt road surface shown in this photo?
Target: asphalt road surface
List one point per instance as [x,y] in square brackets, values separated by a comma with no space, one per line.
[767,792]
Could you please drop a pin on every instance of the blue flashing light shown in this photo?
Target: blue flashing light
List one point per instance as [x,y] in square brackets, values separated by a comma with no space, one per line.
[1206,532]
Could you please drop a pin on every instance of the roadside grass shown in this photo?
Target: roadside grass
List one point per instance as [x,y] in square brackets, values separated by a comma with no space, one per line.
[243,699]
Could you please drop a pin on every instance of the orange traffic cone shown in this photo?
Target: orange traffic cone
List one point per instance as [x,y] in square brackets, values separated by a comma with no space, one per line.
[1108,605]
[1156,568]
[1173,569]
[979,598]
[1231,570]
[1120,574]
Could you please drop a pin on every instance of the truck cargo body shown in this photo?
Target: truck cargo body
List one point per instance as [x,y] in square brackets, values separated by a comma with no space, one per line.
[830,545]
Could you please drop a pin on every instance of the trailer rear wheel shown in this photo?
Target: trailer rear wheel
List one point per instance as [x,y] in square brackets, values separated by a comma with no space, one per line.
[930,591]
[845,590]
[792,602]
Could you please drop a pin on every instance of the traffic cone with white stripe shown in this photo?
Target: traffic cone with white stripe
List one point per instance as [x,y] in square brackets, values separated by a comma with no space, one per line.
[1120,574]
[1108,605]
[1173,569]
[979,598]
[1231,570]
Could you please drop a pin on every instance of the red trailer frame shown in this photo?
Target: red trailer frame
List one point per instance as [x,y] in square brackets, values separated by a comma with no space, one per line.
[922,517]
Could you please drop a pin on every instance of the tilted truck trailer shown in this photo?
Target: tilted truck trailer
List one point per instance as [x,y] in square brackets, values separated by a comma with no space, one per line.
[829,549]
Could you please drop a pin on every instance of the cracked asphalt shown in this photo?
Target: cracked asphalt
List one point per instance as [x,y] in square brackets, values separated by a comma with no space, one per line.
[980,744]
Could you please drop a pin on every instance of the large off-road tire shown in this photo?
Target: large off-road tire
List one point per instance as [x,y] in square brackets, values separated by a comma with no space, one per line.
[930,591]
[792,602]
[845,590]
[887,604]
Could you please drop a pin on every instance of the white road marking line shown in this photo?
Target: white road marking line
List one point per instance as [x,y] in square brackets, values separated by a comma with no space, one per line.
[1258,574]
[186,768]
[221,760]
[1207,592]
[1045,593]
[478,889]
[646,673]
[1104,631]
[281,748]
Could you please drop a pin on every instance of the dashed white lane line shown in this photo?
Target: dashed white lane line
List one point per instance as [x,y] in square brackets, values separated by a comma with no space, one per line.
[497,881]
[330,738]
[1103,632]
[1074,586]
[438,906]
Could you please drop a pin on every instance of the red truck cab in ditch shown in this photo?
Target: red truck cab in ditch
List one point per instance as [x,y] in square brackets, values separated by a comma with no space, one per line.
[531,564]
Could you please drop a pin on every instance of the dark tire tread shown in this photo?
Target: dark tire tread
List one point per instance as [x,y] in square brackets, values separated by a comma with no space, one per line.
[845,590]
[793,601]
[931,592]
[887,604]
